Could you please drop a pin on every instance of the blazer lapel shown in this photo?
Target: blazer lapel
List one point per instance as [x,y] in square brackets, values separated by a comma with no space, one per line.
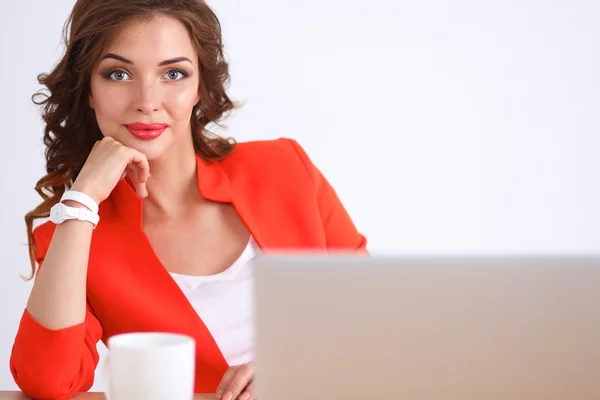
[268,212]
[160,295]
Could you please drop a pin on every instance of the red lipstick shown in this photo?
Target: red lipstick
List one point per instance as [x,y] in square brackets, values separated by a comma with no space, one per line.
[146,131]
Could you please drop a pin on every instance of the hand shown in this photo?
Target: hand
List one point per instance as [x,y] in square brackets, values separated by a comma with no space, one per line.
[237,383]
[108,162]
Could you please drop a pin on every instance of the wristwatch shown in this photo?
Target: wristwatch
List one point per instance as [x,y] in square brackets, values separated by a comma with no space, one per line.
[60,213]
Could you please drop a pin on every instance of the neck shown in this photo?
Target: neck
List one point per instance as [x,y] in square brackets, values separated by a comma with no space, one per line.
[173,184]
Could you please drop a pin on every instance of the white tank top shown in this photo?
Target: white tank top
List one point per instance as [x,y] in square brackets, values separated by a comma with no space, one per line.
[224,302]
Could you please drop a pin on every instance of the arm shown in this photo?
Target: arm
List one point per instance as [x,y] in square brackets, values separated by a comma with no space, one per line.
[54,354]
[340,232]
[58,297]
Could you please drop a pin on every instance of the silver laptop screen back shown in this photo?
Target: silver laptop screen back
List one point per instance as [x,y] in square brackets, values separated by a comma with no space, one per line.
[340,327]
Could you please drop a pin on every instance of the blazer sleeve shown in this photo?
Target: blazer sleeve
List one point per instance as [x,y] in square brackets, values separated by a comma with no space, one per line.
[340,232]
[54,364]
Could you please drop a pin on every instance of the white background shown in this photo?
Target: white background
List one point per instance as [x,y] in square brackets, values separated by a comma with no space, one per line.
[445,126]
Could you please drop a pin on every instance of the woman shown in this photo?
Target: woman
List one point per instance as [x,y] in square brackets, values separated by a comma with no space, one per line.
[154,220]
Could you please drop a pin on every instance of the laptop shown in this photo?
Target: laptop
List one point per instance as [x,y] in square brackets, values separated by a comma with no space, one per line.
[356,327]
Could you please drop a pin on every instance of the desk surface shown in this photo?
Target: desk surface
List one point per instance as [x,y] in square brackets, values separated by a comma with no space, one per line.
[84,396]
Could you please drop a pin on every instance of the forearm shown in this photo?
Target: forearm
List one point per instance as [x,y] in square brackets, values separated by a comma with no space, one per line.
[58,296]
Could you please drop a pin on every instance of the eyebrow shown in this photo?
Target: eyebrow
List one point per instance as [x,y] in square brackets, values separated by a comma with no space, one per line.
[162,63]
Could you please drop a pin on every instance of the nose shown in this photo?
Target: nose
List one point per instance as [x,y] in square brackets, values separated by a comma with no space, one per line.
[147,98]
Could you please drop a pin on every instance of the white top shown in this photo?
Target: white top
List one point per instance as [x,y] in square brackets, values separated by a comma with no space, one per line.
[224,302]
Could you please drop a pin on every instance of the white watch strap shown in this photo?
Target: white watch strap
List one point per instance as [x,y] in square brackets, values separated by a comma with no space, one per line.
[60,213]
[81,198]
[85,215]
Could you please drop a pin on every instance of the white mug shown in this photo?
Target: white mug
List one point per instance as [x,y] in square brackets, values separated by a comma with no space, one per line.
[150,366]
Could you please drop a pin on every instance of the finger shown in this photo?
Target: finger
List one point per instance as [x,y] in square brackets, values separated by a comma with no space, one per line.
[227,377]
[139,163]
[132,171]
[242,377]
[123,175]
[139,184]
[248,393]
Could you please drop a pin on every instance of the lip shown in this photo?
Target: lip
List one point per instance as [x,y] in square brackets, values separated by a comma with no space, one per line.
[146,131]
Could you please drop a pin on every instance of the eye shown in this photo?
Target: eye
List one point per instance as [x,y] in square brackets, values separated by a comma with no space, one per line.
[118,75]
[175,75]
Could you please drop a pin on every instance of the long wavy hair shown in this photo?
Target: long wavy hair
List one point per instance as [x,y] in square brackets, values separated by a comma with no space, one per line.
[71,128]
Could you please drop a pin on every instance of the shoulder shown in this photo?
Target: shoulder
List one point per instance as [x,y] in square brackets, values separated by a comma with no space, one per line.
[269,158]
[270,150]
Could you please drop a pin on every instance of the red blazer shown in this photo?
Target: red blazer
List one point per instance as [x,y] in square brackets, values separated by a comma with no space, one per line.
[280,195]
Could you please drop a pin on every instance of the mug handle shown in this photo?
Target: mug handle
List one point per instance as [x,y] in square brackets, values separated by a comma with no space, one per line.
[106,373]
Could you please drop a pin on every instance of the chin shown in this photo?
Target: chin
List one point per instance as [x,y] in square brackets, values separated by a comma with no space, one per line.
[152,149]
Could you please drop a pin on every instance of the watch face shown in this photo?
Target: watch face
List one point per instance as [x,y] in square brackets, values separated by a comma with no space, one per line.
[57,213]
[60,213]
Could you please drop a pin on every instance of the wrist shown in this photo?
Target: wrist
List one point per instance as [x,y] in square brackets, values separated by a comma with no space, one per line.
[85,190]
[61,212]
[72,203]
[81,198]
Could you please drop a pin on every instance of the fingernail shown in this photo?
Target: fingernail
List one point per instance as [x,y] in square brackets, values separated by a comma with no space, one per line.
[219,394]
[245,396]
[228,396]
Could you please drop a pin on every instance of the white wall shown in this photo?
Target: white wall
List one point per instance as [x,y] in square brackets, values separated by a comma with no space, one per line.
[446,127]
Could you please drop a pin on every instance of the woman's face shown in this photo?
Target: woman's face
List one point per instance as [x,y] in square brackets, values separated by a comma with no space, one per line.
[148,75]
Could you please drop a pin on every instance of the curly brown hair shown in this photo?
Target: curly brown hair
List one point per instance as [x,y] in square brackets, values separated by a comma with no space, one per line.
[71,128]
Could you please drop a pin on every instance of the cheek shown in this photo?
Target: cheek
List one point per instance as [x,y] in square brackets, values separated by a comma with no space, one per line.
[110,102]
[180,103]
